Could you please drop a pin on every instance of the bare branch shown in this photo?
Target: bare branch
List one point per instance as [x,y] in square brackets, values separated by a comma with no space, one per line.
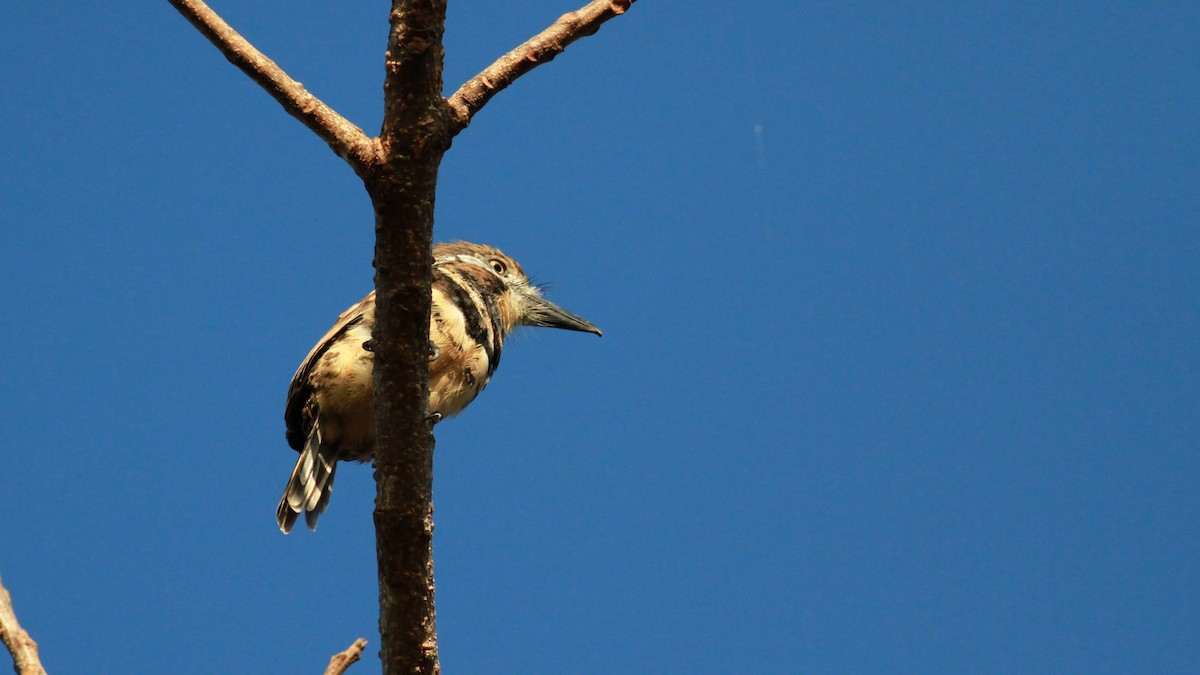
[343,660]
[399,170]
[541,48]
[22,647]
[416,131]
[344,138]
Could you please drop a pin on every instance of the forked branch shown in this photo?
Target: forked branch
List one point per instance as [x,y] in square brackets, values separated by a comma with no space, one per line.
[22,647]
[400,170]
[343,137]
[539,49]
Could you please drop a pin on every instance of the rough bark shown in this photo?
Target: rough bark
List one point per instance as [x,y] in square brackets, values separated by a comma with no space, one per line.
[415,134]
[399,169]
[539,49]
[23,649]
[342,136]
[343,660]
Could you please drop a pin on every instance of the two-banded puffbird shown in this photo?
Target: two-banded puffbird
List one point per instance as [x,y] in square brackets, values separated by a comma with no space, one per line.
[479,296]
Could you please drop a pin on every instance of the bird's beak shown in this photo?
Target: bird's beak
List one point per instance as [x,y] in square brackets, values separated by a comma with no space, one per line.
[542,312]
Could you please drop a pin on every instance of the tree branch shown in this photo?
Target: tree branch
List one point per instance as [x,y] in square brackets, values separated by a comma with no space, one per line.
[343,660]
[416,132]
[541,48]
[343,137]
[22,647]
[399,170]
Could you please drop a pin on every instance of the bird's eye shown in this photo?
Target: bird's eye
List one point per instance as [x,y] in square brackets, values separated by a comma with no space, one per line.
[499,266]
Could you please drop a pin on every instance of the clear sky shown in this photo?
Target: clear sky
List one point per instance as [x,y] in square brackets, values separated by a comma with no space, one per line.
[900,368]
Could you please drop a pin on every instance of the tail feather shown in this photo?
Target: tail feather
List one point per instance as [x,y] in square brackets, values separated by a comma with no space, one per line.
[285,515]
[310,517]
[309,487]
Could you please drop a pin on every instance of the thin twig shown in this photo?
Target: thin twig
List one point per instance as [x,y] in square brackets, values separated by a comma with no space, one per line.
[22,647]
[342,660]
[539,49]
[343,137]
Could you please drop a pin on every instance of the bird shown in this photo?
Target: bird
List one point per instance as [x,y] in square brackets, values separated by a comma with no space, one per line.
[479,296]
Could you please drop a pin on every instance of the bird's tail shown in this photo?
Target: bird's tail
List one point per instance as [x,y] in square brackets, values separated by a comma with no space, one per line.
[309,487]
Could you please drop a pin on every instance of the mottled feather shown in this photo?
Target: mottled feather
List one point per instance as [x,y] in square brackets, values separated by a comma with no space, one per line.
[479,295]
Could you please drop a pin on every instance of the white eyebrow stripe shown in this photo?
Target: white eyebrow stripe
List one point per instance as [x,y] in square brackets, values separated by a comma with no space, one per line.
[444,260]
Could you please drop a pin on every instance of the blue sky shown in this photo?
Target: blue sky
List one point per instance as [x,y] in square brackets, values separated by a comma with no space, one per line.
[899,371]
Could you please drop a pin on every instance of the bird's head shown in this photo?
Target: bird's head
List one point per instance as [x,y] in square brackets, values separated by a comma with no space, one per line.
[519,302]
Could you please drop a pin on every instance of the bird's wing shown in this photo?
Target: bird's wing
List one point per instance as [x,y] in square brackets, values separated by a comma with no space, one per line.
[298,423]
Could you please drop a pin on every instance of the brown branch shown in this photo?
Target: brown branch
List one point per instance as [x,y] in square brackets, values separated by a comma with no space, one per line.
[541,48]
[343,660]
[416,132]
[399,170]
[22,647]
[343,137]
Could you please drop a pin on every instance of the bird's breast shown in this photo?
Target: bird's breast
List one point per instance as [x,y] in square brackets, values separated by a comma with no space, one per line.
[462,367]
